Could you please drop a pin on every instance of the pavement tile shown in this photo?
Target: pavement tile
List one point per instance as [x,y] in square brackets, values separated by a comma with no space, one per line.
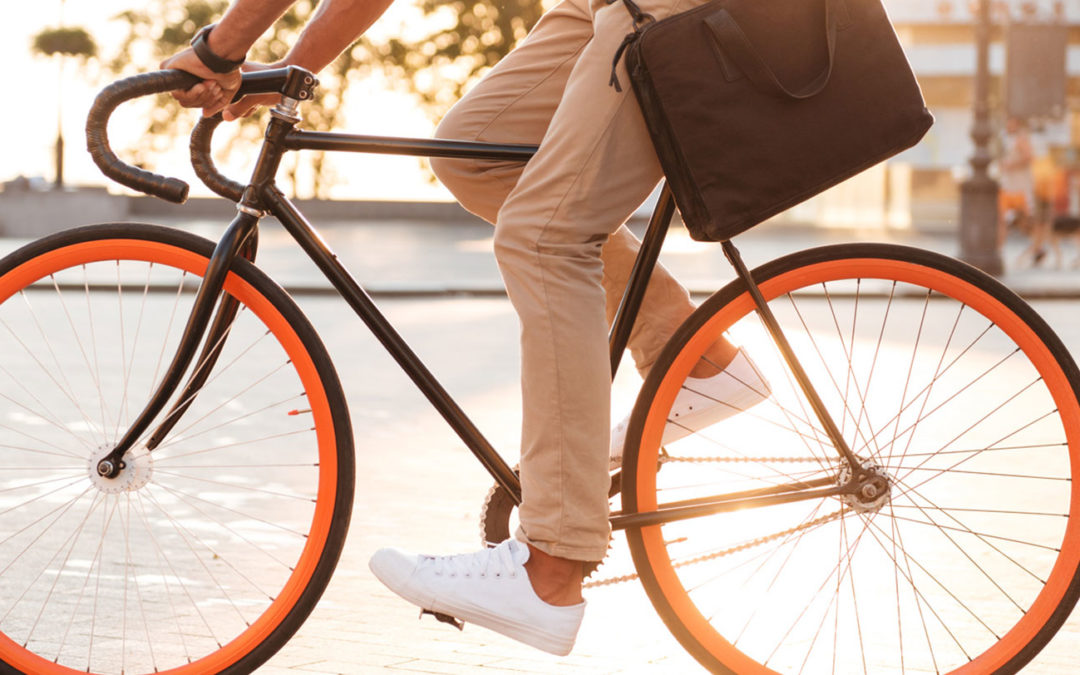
[405,453]
[425,666]
[355,663]
[404,499]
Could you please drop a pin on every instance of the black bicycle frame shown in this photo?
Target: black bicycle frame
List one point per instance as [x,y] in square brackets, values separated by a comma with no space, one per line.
[262,197]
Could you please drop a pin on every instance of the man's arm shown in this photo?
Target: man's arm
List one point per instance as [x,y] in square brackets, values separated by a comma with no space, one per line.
[335,26]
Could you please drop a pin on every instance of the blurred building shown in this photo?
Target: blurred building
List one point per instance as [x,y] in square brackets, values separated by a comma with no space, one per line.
[921,187]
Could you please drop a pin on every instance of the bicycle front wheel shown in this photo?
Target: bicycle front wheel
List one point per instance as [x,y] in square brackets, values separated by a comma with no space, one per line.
[205,554]
[951,391]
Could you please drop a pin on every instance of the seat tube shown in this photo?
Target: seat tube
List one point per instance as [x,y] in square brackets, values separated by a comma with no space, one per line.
[644,264]
[242,226]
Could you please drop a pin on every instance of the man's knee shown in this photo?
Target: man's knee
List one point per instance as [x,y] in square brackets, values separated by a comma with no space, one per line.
[512,246]
[455,173]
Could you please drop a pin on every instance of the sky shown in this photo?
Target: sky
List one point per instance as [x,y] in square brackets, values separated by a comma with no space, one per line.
[28,123]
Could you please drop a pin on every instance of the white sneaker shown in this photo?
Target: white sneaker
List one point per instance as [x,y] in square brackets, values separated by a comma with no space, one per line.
[489,588]
[703,402]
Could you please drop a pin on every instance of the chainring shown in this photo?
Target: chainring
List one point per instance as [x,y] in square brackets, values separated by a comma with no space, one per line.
[495,517]
[499,507]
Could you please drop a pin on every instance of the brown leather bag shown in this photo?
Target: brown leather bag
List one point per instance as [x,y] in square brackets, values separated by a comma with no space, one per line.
[757,105]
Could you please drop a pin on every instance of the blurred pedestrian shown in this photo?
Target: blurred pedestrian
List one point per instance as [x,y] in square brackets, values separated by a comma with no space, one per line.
[1045,176]
[1017,196]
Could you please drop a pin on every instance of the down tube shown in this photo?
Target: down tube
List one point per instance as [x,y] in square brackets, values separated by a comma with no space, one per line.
[295,223]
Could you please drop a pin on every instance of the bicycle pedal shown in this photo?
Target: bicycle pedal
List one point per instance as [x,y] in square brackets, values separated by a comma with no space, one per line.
[445,618]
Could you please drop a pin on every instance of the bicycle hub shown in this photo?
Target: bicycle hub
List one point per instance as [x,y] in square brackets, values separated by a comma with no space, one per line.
[869,489]
[115,476]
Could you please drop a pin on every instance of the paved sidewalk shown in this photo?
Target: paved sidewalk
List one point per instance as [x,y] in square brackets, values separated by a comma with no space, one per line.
[419,488]
[405,452]
[430,258]
[404,498]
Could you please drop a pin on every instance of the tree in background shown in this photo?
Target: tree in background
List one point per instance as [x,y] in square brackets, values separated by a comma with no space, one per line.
[160,29]
[63,43]
[467,37]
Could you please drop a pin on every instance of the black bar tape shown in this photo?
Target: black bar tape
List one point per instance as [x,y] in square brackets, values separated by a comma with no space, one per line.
[97,140]
[204,163]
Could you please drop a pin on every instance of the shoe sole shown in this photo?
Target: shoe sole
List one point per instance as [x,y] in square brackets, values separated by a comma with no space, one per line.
[528,634]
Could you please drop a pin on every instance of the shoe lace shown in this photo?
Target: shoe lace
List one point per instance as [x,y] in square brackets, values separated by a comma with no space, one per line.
[498,561]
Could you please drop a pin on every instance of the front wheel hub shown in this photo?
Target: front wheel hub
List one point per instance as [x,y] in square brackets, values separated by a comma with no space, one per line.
[135,470]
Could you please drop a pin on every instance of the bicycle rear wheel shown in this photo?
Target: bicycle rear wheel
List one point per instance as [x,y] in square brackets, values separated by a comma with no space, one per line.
[204,555]
[952,390]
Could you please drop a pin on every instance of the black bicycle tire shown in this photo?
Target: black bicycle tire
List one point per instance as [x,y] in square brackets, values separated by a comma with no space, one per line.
[785,264]
[283,303]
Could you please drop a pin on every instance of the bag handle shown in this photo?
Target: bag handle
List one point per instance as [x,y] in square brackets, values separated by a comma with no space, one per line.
[734,42]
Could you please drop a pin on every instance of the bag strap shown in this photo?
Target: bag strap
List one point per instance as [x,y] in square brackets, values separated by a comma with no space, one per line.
[641,19]
[734,42]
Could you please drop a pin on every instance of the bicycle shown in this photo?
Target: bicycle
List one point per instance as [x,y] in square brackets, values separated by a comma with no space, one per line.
[871,515]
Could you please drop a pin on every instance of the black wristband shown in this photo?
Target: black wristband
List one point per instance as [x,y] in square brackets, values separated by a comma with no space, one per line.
[208,57]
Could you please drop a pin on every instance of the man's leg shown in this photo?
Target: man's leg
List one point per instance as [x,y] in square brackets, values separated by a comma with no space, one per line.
[514,103]
[595,165]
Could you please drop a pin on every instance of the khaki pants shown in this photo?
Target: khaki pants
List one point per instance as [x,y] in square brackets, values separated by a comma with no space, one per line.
[563,252]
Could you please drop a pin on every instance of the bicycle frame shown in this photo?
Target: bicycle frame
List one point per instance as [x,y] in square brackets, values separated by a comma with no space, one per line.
[262,197]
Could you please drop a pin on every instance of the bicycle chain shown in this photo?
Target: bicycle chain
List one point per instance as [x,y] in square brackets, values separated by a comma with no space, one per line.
[738,460]
[492,501]
[611,581]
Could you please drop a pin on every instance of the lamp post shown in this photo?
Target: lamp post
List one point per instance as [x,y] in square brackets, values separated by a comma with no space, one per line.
[979,193]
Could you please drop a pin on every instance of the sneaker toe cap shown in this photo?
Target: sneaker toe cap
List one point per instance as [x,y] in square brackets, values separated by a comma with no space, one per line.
[393,567]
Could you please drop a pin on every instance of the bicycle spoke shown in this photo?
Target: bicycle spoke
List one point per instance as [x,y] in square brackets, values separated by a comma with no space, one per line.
[189,497]
[246,488]
[928,389]
[188,548]
[964,528]
[925,391]
[129,360]
[832,379]
[922,595]
[849,356]
[189,541]
[163,562]
[90,370]
[952,398]
[863,411]
[239,418]
[64,383]
[174,455]
[73,537]
[956,511]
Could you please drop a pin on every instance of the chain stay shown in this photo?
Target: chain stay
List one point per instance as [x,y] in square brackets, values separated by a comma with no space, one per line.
[610,581]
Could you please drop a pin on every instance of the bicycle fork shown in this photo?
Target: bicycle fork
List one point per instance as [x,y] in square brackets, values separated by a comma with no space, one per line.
[240,240]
